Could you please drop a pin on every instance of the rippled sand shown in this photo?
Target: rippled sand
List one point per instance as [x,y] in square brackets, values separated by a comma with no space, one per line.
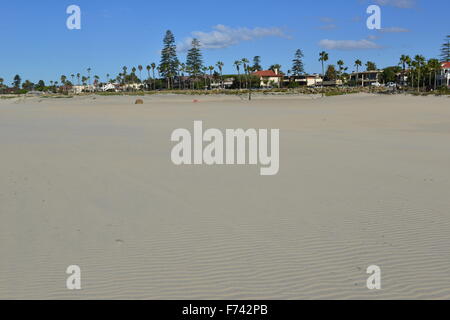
[363,180]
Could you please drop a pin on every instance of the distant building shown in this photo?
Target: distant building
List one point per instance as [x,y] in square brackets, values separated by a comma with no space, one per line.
[444,77]
[132,86]
[82,88]
[77,89]
[333,83]
[402,77]
[309,80]
[227,83]
[269,78]
[366,78]
[109,87]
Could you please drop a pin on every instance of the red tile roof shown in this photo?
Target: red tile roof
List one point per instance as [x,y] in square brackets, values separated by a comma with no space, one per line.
[445,65]
[267,73]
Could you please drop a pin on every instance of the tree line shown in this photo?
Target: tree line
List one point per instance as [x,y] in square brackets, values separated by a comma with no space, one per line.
[171,73]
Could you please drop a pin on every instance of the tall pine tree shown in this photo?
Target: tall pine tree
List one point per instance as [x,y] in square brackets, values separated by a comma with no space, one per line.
[445,50]
[194,59]
[257,63]
[297,63]
[169,61]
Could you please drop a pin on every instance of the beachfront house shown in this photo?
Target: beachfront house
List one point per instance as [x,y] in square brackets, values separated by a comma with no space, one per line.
[132,86]
[309,80]
[269,78]
[82,88]
[77,89]
[109,87]
[366,78]
[227,83]
[444,77]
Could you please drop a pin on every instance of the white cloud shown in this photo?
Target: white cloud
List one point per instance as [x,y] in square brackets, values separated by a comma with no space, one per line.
[393,30]
[348,44]
[223,36]
[397,3]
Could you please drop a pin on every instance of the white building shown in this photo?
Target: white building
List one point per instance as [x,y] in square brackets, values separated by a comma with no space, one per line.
[77,89]
[227,83]
[132,86]
[309,80]
[109,87]
[444,77]
[268,78]
[80,89]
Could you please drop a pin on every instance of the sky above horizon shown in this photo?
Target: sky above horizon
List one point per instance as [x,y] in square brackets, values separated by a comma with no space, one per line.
[38,45]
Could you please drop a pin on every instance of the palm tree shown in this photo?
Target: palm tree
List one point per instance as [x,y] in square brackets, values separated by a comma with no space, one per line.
[205,70]
[1,84]
[124,73]
[404,61]
[340,63]
[148,68]
[78,77]
[63,79]
[140,72]
[249,70]
[409,65]
[211,69]
[419,63]
[73,78]
[276,67]
[245,63]
[219,65]
[414,64]
[434,66]
[89,75]
[429,71]
[237,64]
[323,57]
[153,65]
[358,63]
[107,77]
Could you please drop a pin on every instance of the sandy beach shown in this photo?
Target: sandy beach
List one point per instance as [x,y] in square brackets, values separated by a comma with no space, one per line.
[363,180]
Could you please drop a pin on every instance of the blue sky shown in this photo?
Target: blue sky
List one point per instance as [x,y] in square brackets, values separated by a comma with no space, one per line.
[37,44]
